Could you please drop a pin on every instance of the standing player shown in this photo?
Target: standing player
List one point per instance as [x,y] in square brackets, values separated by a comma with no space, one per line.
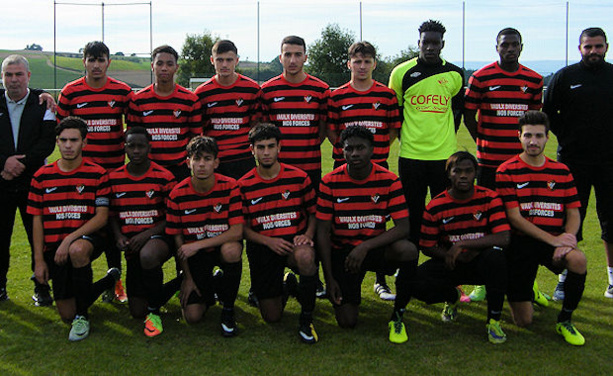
[27,129]
[102,102]
[296,102]
[542,206]
[578,102]
[428,89]
[205,217]
[169,112]
[230,106]
[499,93]
[139,191]
[464,231]
[366,102]
[355,201]
[279,206]
[69,201]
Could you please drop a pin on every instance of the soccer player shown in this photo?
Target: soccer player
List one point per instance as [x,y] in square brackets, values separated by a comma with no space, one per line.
[169,112]
[499,93]
[139,191]
[102,102]
[28,138]
[205,217]
[296,102]
[364,101]
[69,202]
[578,102]
[464,231]
[354,204]
[230,106]
[279,206]
[542,206]
[429,93]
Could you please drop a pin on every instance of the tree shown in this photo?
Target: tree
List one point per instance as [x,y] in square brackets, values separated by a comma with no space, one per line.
[328,55]
[195,58]
[34,47]
[120,54]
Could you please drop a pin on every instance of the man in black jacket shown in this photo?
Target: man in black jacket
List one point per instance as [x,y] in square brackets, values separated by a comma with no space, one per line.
[26,139]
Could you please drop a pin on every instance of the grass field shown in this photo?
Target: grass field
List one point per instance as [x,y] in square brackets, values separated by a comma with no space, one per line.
[33,341]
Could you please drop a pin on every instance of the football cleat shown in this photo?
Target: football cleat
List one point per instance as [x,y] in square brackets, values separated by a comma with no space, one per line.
[153,325]
[571,335]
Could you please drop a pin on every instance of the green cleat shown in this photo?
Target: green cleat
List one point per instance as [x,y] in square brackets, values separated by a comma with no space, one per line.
[494,332]
[567,330]
[539,297]
[450,312]
[153,325]
[478,294]
[398,332]
[79,329]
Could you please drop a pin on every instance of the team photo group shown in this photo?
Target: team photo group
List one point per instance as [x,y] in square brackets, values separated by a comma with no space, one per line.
[169,176]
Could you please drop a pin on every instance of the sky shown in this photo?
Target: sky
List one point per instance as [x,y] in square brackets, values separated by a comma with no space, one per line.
[390,24]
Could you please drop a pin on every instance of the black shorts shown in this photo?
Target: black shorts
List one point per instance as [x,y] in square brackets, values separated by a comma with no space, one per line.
[236,168]
[266,269]
[61,275]
[351,283]
[134,273]
[201,268]
[524,256]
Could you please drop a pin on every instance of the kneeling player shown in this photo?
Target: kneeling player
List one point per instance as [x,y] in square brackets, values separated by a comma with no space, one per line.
[139,191]
[354,204]
[69,200]
[279,205]
[542,205]
[205,216]
[464,230]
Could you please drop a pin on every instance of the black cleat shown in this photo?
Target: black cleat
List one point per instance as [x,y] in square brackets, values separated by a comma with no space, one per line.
[228,324]
[252,299]
[3,295]
[42,296]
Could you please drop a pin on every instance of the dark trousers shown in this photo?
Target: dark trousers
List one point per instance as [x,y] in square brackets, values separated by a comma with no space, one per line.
[10,201]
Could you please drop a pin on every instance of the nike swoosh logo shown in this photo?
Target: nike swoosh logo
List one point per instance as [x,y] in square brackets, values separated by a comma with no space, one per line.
[147,113]
[253,202]
[447,220]
[575,86]
[347,107]
[306,337]
[209,105]
[49,190]
[81,105]
[190,211]
[492,88]
[278,99]
[339,200]
[520,186]
[227,329]
[118,195]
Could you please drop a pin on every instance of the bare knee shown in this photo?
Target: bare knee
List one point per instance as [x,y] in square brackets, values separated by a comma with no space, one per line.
[231,252]
[403,250]
[304,258]
[346,316]
[271,310]
[193,313]
[576,261]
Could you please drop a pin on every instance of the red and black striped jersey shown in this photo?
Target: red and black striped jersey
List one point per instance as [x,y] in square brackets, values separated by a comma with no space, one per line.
[501,97]
[542,193]
[103,110]
[376,109]
[297,110]
[278,207]
[359,209]
[139,202]
[227,112]
[199,216]
[448,220]
[171,121]
[67,200]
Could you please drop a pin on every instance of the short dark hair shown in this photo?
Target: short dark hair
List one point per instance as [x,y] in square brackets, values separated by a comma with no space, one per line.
[458,157]
[223,46]
[592,32]
[202,144]
[364,48]
[432,25]
[359,132]
[137,130]
[72,122]
[264,131]
[533,118]
[508,31]
[165,49]
[293,39]
[96,49]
